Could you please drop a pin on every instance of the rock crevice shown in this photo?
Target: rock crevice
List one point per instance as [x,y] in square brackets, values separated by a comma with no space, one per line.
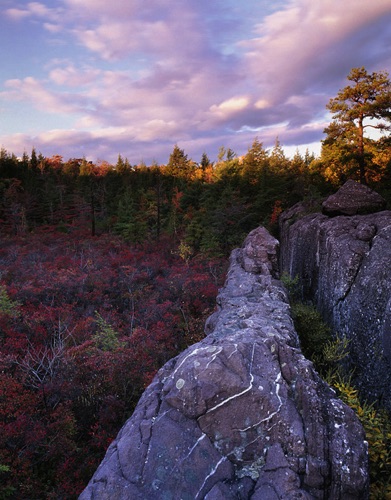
[242,414]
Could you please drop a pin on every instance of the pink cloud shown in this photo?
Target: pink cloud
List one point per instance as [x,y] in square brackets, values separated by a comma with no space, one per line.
[147,74]
[34,9]
[73,77]
[17,14]
[31,90]
[288,46]
[104,9]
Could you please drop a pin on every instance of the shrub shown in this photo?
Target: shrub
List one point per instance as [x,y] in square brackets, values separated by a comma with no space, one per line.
[106,338]
[377,426]
[327,352]
[292,285]
[5,491]
[313,332]
[8,307]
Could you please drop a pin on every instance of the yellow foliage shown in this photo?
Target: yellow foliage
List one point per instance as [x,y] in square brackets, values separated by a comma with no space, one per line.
[377,426]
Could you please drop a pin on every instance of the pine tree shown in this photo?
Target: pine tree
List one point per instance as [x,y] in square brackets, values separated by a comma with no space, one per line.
[179,164]
[366,104]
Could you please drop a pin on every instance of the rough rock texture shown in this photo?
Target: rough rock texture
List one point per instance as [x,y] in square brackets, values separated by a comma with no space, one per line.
[242,414]
[344,266]
[353,199]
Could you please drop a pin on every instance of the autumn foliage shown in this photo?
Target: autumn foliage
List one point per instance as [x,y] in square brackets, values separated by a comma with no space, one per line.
[85,323]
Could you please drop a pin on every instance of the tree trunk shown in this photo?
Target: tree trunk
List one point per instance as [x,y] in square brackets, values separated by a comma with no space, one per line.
[361,153]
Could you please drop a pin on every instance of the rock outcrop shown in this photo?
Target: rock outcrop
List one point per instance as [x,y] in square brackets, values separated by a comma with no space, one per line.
[343,262]
[242,414]
[353,199]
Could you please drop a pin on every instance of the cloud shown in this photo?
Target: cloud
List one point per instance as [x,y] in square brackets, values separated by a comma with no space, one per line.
[120,29]
[31,90]
[134,74]
[231,105]
[17,14]
[102,9]
[39,9]
[52,28]
[289,53]
[71,76]
[34,9]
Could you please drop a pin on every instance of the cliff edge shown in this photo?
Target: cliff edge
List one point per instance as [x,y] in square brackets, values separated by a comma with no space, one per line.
[242,414]
[342,256]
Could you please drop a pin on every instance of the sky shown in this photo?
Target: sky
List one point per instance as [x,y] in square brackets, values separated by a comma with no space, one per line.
[98,78]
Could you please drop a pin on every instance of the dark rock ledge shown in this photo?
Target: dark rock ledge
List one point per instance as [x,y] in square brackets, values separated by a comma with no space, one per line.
[242,414]
[343,262]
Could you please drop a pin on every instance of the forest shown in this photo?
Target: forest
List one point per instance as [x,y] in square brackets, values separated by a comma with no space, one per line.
[108,271]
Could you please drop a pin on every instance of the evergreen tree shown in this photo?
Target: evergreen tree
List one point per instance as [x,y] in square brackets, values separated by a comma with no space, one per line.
[122,166]
[205,162]
[277,159]
[34,159]
[366,104]
[131,221]
[179,164]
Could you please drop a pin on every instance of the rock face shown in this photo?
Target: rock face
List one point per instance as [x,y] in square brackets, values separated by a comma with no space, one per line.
[242,414]
[353,199]
[343,263]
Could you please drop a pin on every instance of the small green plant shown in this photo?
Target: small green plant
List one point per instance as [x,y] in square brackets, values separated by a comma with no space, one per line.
[292,285]
[333,352]
[377,427]
[8,306]
[5,491]
[106,338]
[313,332]
[185,251]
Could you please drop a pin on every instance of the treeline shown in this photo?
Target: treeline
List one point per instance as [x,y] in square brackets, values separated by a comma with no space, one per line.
[207,207]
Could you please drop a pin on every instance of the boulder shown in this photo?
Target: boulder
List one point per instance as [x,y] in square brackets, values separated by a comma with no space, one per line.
[353,198]
[343,263]
[241,414]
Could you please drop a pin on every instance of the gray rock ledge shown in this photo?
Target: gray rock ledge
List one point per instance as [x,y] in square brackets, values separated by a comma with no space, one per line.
[242,414]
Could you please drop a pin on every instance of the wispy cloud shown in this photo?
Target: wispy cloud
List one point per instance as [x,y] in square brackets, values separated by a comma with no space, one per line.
[137,77]
[34,10]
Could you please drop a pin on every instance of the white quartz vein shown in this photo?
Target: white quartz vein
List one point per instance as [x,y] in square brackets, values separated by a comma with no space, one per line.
[194,446]
[156,419]
[234,396]
[203,435]
[213,471]
[233,352]
[193,353]
[214,356]
[269,417]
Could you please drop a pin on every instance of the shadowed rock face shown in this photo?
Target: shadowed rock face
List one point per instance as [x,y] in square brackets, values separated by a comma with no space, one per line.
[353,199]
[343,263]
[242,414]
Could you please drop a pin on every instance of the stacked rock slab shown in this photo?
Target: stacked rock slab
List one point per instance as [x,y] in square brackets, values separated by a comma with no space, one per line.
[242,414]
[342,256]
